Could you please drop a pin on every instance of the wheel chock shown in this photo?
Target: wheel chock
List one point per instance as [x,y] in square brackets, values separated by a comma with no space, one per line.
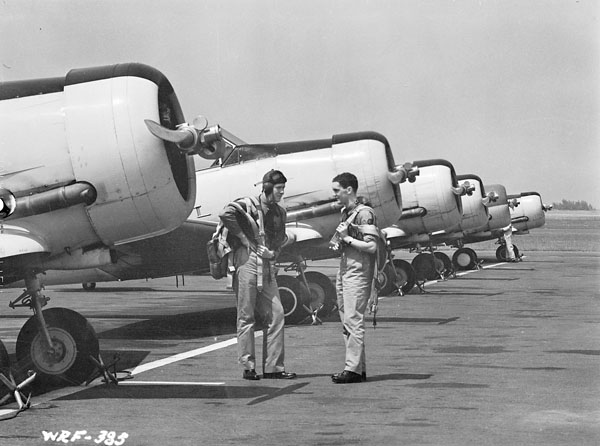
[313,315]
[102,370]
[15,390]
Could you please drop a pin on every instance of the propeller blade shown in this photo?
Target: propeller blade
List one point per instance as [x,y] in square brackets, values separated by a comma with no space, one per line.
[185,137]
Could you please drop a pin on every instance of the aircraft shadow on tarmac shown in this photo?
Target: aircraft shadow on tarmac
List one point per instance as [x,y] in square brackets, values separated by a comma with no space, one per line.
[418,320]
[258,393]
[176,327]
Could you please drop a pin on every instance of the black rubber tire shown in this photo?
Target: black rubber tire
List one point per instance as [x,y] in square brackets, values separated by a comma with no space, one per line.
[4,369]
[294,296]
[501,253]
[425,267]
[76,340]
[4,359]
[89,286]
[464,259]
[406,275]
[386,280]
[448,268]
[322,291]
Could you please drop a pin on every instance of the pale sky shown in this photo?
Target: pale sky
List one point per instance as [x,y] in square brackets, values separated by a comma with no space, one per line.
[507,90]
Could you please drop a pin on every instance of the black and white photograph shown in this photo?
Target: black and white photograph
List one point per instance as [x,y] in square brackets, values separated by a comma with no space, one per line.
[296,222]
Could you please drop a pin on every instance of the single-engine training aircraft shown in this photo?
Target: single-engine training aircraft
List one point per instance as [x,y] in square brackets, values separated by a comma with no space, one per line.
[511,215]
[97,196]
[527,211]
[497,227]
[313,213]
[474,219]
[431,207]
[80,176]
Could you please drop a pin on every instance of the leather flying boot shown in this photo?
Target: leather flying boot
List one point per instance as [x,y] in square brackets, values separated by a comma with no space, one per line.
[251,375]
[347,377]
[279,375]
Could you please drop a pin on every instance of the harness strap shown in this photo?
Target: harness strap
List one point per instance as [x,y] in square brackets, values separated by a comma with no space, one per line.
[253,205]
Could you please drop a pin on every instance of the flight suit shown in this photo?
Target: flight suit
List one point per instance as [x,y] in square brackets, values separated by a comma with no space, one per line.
[354,284]
[265,302]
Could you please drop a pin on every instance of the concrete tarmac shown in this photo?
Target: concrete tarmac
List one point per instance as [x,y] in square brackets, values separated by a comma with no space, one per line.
[506,355]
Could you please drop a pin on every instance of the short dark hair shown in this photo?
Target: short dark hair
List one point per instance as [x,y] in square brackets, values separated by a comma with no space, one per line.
[347,179]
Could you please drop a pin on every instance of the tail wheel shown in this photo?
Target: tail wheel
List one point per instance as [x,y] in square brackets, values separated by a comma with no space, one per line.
[405,275]
[386,280]
[89,286]
[425,266]
[322,292]
[73,339]
[294,296]
[446,263]
[464,259]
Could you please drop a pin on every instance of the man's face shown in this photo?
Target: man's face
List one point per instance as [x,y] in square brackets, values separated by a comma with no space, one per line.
[342,194]
[278,191]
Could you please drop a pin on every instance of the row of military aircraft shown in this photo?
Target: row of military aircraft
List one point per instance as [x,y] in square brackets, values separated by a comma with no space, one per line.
[98,183]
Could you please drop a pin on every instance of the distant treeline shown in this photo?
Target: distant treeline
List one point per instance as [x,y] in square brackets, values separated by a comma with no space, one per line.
[567,205]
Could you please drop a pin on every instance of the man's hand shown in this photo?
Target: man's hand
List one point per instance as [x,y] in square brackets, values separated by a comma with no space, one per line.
[342,230]
[264,252]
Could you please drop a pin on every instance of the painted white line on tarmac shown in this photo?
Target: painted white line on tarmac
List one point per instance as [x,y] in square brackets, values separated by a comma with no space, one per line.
[185,355]
[169,383]
[60,393]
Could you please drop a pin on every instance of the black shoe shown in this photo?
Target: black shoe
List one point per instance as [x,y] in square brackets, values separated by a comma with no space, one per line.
[363,376]
[251,375]
[279,375]
[346,377]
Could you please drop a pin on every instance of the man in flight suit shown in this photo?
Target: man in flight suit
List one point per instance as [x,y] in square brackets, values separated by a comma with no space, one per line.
[354,281]
[254,279]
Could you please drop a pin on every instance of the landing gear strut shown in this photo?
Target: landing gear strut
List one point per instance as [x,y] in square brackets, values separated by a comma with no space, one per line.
[55,343]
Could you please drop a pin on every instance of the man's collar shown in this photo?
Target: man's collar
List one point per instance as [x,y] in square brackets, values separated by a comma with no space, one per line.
[351,206]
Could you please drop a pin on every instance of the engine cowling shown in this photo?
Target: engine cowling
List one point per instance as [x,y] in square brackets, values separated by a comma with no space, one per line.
[88,128]
[432,195]
[475,214]
[529,214]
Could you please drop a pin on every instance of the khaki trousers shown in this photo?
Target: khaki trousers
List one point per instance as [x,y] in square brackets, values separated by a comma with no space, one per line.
[353,288]
[266,305]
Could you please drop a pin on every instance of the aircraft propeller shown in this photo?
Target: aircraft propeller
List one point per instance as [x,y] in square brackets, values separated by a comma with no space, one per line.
[195,138]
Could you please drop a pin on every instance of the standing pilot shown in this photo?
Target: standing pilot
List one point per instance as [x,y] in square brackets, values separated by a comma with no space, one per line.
[355,279]
[260,238]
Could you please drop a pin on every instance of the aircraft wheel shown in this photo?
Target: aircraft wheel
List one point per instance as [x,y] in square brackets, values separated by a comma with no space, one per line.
[89,286]
[501,253]
[464,259]
[425,266]
[386,280]
[74,341]
[322,292]
[516,250]
[405,274]
[446,263]
[293,296]
[4,368]
[4,359]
